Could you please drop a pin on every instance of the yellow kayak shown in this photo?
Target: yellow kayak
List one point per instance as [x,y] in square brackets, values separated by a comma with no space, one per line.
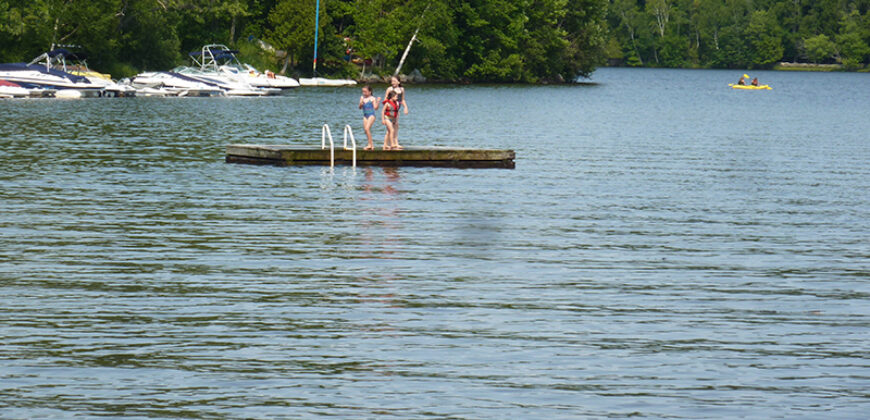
[750,87]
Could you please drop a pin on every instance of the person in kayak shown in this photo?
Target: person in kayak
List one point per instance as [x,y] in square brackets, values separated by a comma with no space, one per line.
[742,81]
[755,82]
[368,104]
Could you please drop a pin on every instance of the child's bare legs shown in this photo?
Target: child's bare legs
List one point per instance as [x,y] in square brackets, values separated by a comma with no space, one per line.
[388,137]
[367,125]
[395,139]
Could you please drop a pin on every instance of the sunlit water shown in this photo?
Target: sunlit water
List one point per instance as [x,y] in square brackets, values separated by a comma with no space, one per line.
[666,247]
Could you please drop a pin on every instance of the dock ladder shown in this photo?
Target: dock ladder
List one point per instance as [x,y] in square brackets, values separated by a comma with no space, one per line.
[349,131]
[326,133]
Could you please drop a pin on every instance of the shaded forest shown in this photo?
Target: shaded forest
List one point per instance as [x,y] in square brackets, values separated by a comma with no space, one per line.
[477,40]
[738,33]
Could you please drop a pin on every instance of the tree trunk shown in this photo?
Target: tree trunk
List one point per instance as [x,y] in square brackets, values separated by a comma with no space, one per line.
[662,13]
[413,38]
[233,31]
[54,33]
[405,54]
[286,64]
[633,41]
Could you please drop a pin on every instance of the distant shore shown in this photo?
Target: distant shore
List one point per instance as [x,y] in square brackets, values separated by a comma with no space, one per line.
[417,78]
[788,66]
[785,66]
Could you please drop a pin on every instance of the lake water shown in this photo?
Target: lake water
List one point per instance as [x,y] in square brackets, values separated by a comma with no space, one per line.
[666,247]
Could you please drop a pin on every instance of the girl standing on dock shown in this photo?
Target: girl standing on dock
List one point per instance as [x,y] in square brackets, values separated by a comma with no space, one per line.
[368,104]
[389,117]
[397,88]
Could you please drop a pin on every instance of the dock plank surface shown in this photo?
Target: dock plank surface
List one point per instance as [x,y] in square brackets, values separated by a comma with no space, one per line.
[411,156]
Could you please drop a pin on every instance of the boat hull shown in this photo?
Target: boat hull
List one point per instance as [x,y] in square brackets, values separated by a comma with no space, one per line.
[31,76]
[320,81]
[10,90]
[174,84]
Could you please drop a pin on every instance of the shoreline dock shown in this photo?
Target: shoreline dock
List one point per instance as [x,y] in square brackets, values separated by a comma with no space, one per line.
[284,155]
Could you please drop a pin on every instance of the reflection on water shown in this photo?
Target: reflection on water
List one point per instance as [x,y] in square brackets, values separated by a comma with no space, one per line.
[378,198]
[661,250]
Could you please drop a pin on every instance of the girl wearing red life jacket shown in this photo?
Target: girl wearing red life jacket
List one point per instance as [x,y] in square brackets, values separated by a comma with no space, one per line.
[389,117]
[397,88]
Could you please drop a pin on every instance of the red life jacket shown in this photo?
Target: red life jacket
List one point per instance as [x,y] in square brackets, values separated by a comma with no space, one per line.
[394,111]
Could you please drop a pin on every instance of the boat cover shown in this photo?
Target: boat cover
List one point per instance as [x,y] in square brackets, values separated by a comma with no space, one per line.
[42,69]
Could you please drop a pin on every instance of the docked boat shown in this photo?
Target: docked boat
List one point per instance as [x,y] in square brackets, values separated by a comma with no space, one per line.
[76,63]
[41,74]
[42,92]
[220,59]
[229,86]
[148,91]
[320,81]
[12,90]
[167,83]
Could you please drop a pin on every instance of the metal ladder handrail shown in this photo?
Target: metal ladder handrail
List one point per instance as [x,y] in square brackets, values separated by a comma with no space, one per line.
[348,130]
[324,133]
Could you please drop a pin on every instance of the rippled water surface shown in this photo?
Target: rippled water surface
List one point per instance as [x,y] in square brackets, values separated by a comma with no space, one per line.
[666,247]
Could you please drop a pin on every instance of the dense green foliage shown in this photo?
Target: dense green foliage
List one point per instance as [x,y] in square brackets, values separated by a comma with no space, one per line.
[476,40]
[471,40]
[738,33]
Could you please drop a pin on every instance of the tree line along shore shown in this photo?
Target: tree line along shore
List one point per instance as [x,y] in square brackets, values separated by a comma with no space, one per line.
[769,34]
[529,41]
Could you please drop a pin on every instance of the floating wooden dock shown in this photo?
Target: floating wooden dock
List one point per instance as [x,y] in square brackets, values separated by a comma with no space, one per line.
[259,154]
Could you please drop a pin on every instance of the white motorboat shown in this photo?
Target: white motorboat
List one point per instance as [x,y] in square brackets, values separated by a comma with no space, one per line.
[155,92]
[230,87]
[320,81]
[42,92]
[76,63]
[114,89]
[218,58]
[12,90]
[148,91]
[40,74]
[167,83]
[248,74]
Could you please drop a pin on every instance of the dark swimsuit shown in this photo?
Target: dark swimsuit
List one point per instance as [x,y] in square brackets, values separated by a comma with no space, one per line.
[400,97]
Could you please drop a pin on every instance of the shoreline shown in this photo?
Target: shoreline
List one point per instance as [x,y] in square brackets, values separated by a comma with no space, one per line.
[782,66]
[785,66]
